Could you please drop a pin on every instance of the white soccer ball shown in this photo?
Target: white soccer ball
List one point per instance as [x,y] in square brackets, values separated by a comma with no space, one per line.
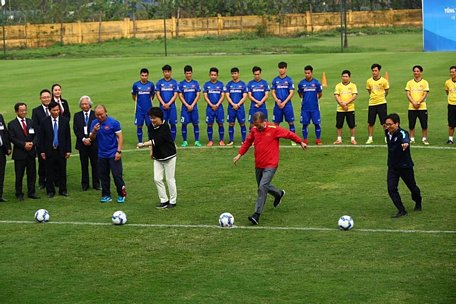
[226,219]
[345,222]
[42,216]
[119,218]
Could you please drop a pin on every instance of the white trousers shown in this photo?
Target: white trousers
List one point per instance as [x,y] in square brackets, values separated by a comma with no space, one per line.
[165,169]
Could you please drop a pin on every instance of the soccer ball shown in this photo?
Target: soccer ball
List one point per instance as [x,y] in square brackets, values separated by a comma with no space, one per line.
[226,219]
[345,222]
[119,218]
[41,216]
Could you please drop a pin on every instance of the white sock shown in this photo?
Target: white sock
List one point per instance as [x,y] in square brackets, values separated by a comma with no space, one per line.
[339,138]
[352,138]
[412,138]
[424,138]
[370,137]
[451,138]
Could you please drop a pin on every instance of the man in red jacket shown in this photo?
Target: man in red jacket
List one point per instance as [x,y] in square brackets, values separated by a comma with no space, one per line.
[265,137]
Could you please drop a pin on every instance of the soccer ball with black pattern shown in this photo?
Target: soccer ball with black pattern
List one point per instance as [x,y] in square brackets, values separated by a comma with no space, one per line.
[226,219]
[42,216]
[345,222]
[119,218]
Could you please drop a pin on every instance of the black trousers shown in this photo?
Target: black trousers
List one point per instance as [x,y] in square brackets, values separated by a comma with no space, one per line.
[2,169]
[105,166]
[86,155]
[408,176]
[20,167]
[55,167]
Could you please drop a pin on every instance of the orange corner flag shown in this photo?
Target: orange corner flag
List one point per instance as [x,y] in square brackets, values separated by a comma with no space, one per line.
[387,77]
[324,82]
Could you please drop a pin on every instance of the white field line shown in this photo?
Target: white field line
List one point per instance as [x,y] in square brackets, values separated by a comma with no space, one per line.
[320,229]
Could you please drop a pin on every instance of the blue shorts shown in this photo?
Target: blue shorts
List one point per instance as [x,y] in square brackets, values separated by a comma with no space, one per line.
[238,114]
[140,118]
[306,116]
[170,115]
[189,117]
[217,115]
[286,112]
[253,110]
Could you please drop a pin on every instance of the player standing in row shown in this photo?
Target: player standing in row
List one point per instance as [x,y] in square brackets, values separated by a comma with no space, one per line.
[283,91]
[258,91]
[378,88]
[345,94]
[417,90]
[450,89]
[166,95]
[189,92]
[310,90]
[236,94]
[142,92]
[214,93]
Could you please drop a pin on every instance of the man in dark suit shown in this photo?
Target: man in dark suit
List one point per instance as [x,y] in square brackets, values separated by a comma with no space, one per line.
[38,114]
[87,150]
[23,136]
[5,149]
[57,97]
[55,148]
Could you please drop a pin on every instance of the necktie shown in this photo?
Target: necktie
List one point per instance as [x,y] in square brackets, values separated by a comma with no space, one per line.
[47,112]
[24,127]
[86,118]
[55,143]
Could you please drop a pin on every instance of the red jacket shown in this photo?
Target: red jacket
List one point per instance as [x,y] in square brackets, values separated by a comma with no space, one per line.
[267,144]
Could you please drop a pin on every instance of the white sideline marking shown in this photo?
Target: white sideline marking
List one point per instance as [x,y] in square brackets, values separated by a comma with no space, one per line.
[237,227]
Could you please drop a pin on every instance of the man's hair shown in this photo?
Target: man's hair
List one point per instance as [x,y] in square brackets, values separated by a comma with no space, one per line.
[188,68]
[144,70]
[346,72]
[167,67]
[308,68]
[419,67]
[452,67]
[45,91]
[256,69]
[376,65]
[213,69]
[101,106]
[18,104]
[234,70]
[155,112]
[52,105]
[394,117]
[88,99]
[259,116]
[282,64]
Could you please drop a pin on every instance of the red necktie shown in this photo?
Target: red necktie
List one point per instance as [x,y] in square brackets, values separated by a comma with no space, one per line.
[24,127]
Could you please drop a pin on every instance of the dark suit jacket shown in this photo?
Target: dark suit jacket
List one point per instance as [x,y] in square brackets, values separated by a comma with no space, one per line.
[4,135]
[38,114]
[66,108]
[47,136]
[78,128]
[18,138]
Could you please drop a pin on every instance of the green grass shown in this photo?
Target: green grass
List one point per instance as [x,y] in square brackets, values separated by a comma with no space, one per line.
[77,263]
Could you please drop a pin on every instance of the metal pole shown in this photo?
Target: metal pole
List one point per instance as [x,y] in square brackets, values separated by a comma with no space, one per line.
[345,25]
[341,26]
[3,31]
[164,30]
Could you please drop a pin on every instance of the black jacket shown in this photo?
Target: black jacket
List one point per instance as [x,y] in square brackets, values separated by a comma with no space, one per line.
[398,158]
[163,146]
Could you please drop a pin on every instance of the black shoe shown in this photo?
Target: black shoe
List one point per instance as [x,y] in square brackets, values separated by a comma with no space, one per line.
[400,214]
[254,219]
[33,196]
[63,193]
[450,142]
[418,207]
[278,200]
[51,194]
[169,206]
[84,188]
[163,205]
[20,197]
[3,200]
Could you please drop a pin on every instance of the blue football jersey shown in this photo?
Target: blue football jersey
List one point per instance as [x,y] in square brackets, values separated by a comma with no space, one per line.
[309,91]
[282,87]
[144,93]
[214,91]
[189,89]
[167,88]
[258,89]
[236,90]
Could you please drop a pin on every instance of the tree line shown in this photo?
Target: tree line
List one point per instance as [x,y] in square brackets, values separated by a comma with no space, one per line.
[62,11]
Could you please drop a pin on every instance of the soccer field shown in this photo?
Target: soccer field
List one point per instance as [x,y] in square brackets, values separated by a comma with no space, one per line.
[296,255]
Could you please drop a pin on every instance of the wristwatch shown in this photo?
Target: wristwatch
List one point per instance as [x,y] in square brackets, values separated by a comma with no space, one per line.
[118,151]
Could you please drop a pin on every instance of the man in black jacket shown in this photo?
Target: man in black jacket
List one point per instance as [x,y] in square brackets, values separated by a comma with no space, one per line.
[23,136]
[400,164]
[88,150]
[5,149]
[55,149]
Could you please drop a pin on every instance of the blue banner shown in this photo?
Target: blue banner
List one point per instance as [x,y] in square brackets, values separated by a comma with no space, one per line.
[439,25]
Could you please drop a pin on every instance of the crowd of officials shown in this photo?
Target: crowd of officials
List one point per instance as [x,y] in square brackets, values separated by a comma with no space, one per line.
[46,136]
